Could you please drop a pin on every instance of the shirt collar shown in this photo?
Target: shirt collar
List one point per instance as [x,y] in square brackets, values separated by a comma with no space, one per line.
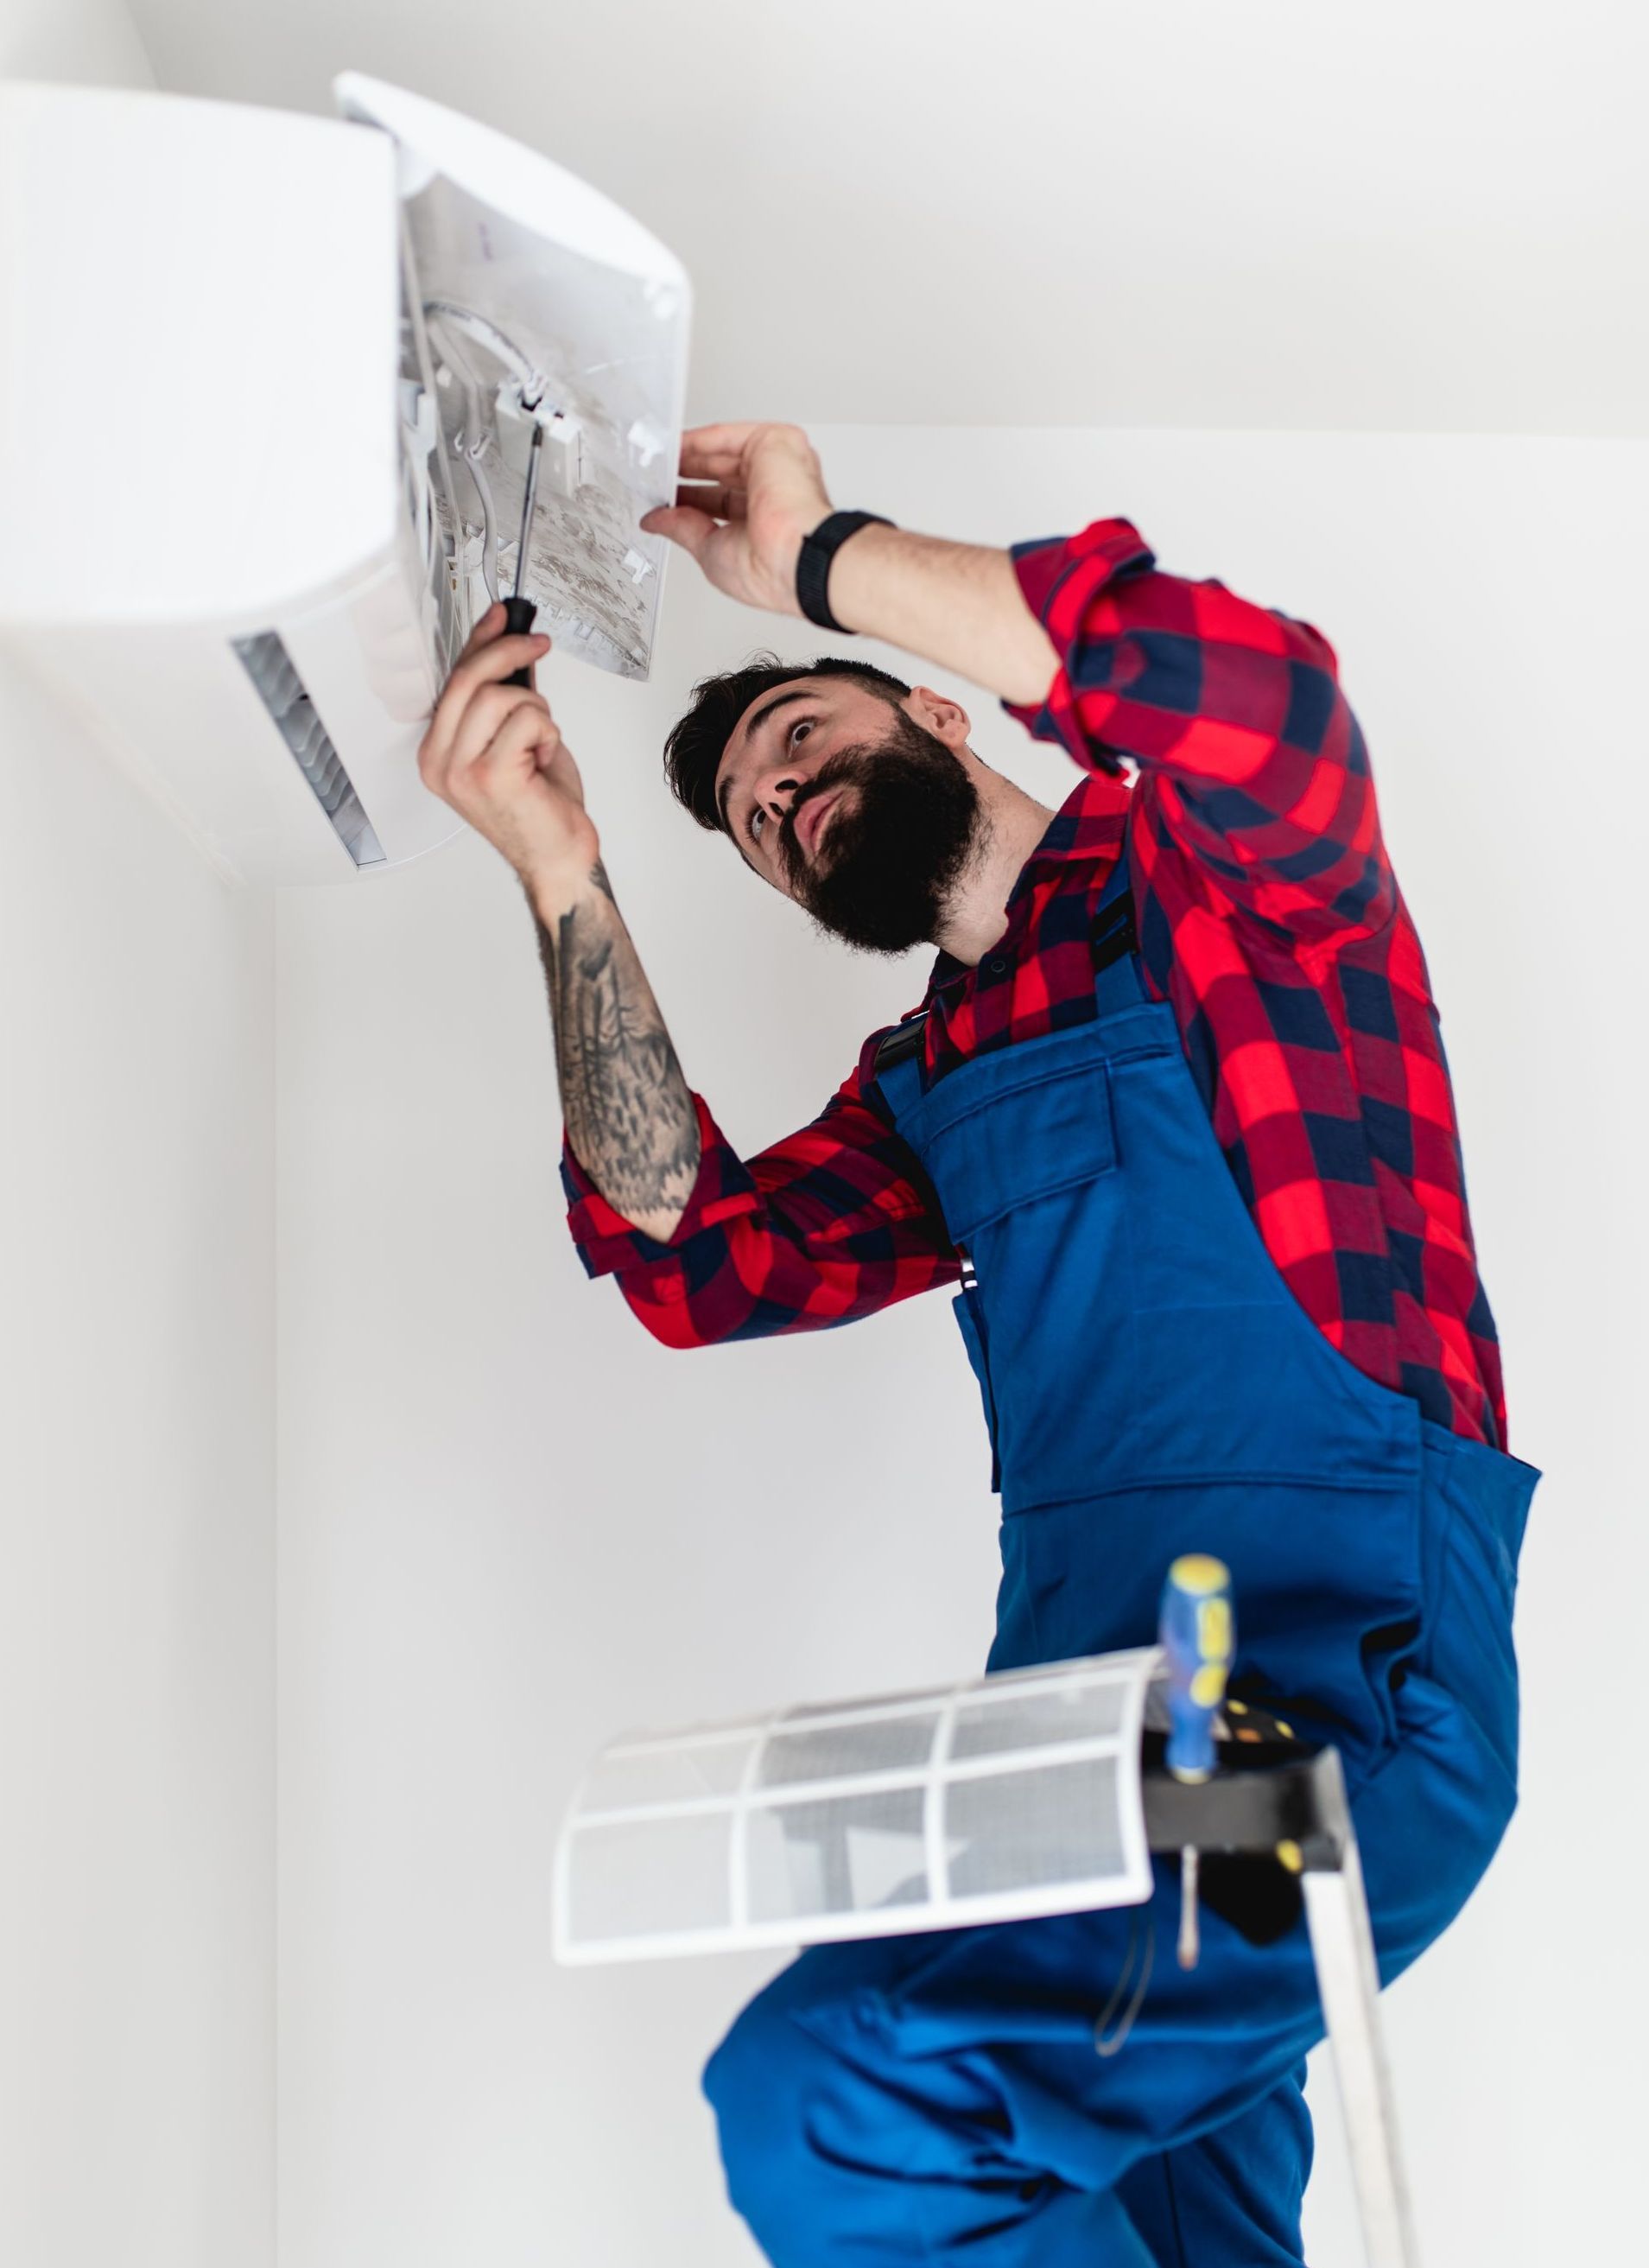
[1088,826]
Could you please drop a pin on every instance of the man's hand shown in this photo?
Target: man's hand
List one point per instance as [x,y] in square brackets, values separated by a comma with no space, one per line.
[760,491]
[494,752]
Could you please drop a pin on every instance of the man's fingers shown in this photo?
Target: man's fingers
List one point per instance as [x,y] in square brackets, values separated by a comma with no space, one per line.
[692,530]
[495,707]
[473,687]
[496,659]
[709,453]
[500,655]
[527,727]
[708,496]
[485,665]
[555,765]
[724,452]
[485,630]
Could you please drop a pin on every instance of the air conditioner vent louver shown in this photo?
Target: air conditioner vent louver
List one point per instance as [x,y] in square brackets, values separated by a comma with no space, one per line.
[282,693]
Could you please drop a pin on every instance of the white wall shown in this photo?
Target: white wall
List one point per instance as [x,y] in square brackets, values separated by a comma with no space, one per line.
[136,1486]
[93,42]
[511,1524]
[1410,218]
[137,1526]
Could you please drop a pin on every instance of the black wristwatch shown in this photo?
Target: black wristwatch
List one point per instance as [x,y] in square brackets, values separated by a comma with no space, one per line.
[813,564]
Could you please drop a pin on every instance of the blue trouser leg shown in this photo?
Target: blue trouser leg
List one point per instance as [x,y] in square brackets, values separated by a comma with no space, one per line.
[942,2174]
[834,2153]
[842,2146]
[1232,2196]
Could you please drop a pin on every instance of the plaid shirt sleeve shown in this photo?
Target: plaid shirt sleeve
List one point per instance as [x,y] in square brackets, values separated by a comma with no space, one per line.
[1233,712]
[826,1225]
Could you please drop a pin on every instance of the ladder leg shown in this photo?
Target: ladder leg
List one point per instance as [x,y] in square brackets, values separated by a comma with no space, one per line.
[1342,1947]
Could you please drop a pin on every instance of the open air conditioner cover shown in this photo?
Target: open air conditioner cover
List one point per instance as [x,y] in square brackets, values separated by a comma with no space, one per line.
[542,302]
[267,384]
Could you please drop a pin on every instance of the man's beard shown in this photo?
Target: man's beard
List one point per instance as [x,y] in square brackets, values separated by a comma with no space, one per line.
[892,848]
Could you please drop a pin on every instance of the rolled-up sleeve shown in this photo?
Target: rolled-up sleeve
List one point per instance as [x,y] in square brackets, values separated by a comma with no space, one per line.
[606,1241]
[1234,714]
[832,1223]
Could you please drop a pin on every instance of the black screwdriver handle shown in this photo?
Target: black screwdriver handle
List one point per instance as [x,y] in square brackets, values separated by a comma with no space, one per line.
[519,614]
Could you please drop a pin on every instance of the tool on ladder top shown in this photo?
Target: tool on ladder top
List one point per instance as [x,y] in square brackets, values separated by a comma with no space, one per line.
[1198,1637]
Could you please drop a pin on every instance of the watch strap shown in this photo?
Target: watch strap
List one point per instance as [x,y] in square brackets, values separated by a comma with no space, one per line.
[813,564]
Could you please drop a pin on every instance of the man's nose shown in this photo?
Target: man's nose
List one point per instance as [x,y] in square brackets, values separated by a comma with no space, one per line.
[780,790]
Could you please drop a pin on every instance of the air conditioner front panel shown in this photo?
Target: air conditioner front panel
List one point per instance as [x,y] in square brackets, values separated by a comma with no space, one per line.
[213,759]
[199,321]
[188,717]
[367,663]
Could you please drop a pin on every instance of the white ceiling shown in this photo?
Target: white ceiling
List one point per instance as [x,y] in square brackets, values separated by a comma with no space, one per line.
[1289,213]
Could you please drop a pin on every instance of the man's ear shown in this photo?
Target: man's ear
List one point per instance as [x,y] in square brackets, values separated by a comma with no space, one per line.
[946,719]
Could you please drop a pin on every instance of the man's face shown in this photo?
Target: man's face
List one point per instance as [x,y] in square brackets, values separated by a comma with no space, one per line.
[851,808]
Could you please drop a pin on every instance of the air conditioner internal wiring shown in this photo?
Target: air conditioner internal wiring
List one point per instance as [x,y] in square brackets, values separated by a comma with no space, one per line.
[456,615]
[470,441]
[532,381]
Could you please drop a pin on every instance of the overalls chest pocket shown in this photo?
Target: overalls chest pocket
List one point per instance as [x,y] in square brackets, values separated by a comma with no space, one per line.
[1020,1144]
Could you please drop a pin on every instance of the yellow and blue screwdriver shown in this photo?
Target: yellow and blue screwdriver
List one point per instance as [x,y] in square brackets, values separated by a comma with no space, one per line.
[519,612]
[1198,1633]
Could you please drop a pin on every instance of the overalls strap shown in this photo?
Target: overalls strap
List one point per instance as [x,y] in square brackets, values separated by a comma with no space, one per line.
[1117,984]
[1118,981]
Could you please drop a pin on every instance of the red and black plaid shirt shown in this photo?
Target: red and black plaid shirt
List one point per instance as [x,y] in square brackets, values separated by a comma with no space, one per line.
[1267,915]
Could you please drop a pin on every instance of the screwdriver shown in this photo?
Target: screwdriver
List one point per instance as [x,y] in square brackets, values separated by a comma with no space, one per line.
[1197,1632]
[519,612]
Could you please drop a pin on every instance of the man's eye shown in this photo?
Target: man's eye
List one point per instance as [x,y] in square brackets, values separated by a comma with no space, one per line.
[758,813]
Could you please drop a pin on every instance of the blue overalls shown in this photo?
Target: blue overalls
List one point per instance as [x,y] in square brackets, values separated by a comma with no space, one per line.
[1150,1386]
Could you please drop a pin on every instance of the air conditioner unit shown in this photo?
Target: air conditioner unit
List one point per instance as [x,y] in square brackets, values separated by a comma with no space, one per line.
[267,387]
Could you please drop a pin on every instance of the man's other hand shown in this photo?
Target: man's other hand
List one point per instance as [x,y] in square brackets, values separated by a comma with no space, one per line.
[748,494]
[496,755]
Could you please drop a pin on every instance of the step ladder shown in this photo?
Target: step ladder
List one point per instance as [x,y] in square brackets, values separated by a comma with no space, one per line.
[1238,1782]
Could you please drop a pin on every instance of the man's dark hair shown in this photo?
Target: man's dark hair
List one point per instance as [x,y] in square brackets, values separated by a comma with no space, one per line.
[693,751]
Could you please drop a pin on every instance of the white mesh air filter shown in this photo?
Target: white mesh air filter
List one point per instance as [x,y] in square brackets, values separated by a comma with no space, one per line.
[1003,1798]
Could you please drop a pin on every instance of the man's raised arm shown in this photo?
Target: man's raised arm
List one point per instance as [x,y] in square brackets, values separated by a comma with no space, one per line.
[494,752]
[628,1111]
[958,604]
[818,1229]
[1232,710]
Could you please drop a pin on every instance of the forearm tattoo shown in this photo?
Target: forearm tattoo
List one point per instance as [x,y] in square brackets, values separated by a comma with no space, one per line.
[630,1118]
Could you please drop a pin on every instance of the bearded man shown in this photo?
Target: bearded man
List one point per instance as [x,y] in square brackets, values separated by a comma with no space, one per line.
[1174,1119]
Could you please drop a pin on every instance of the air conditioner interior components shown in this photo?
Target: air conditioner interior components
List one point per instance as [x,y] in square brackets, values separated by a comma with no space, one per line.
[538,301]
